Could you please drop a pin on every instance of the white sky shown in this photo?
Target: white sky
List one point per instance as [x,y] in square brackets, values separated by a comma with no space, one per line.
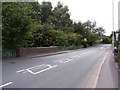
[98,10]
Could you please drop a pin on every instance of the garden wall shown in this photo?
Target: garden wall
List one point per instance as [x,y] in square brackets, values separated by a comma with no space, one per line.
[36,50]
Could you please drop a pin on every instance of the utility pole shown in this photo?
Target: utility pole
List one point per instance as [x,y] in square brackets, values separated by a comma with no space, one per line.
[113,23]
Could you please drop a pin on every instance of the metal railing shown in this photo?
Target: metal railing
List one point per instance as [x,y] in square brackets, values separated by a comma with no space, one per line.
[8,53]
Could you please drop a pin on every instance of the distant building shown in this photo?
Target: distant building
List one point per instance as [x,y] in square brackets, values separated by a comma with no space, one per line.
[119,15]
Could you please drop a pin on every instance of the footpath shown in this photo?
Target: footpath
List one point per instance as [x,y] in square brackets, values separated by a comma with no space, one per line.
[38,55]
[33,56]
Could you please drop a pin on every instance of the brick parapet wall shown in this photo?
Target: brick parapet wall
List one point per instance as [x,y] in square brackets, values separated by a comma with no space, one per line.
[36,50]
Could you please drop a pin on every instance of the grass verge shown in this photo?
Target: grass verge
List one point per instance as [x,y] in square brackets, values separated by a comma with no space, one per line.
[117,58]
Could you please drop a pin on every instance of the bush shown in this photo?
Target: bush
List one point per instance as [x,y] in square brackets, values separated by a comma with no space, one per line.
[74,39]
[117,58]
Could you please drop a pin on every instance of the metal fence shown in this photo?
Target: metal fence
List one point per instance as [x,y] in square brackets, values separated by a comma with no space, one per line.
[8,53]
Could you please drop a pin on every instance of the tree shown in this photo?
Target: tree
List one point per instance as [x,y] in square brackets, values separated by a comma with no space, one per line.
[106,40]
[36,13]
[100,31]
[36,25]
[17,24]
[79,28]
[61,17]
[46,12]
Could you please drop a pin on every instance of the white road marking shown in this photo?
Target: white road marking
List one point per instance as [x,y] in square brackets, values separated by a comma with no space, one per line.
[98,73]
[116,66]
[44,70]
[68,60]
[5,84]
[30,70]
[64,60]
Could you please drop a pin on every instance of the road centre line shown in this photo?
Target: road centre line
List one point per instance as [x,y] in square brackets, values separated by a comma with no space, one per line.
[64,60]
[70,58]
[5,84]
[84,50]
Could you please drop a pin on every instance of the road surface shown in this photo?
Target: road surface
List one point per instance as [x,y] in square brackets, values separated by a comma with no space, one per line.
[91,67]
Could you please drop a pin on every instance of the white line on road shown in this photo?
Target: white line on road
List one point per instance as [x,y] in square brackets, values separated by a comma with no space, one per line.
[94,76]
[29,68]
[64,60]
[116,64]
[5,84]
[68,60]
[98,73]
[44,70]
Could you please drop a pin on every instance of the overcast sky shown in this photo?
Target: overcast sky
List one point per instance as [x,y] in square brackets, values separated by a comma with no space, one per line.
[93,10]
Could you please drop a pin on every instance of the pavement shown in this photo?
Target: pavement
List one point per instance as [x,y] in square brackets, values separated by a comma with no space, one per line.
[14,59]
[32,56]
[87,68]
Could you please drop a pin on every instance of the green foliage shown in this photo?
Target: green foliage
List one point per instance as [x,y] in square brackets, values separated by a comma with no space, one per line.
[17,24]
[59,38]
[46,11]
[118,42]
[74,39]
[36,13]
[61,17]
[39,25]
[106,40]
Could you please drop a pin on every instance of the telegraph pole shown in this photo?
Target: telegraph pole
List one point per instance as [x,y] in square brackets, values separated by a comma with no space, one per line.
[113,23]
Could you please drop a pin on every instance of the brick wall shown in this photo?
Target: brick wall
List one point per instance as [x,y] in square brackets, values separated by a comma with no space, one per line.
[36,50]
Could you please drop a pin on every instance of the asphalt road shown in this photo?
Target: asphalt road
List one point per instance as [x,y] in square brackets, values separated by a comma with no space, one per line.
[92,67]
